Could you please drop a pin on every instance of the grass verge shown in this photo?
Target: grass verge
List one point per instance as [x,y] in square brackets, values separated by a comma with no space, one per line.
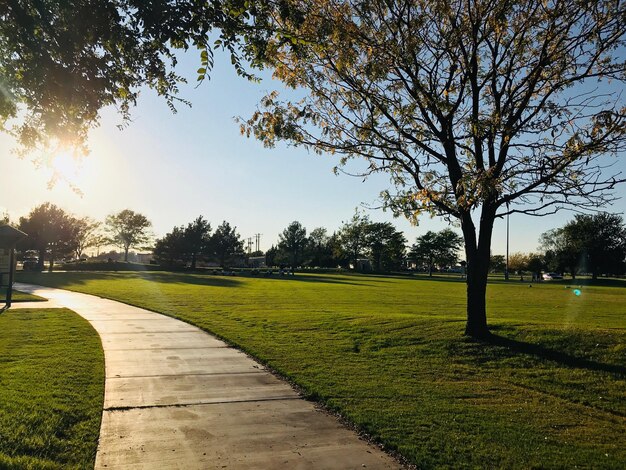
[51,389]
[18,296]
[388,354]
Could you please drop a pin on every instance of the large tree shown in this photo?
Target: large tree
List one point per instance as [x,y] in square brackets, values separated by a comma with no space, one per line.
[437,248]
[170,250]
[184,244]
[386,246]
[87,235]
[352,237]
[61,62]
[225,244]
[321,249]
[562,250]
[197,236]
[294,242]
[51,231]
[518,262]
[128,229]
[592,243]
[474,108]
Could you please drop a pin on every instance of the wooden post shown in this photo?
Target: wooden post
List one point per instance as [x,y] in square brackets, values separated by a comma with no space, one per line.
[9,236]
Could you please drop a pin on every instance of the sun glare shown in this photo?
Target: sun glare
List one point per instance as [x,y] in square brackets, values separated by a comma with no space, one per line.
[67,168]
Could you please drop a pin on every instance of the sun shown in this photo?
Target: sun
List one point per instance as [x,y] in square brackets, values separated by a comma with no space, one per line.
[67,168]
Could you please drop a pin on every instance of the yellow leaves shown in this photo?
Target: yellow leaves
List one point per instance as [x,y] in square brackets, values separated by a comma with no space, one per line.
[422,196]
[244,130]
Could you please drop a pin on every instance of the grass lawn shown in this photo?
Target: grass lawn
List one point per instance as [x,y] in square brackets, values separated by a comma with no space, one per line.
[18,296]
[51,389]
[388,354]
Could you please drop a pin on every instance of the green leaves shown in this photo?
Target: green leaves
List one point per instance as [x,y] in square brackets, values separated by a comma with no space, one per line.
[62,62]
[206,60]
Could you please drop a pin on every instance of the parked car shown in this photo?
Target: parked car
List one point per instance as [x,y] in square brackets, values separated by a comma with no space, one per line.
[30,264]
[551,276]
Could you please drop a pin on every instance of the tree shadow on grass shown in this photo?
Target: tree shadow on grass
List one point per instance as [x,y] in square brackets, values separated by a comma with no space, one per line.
[234,281]
[600,282]
[324,279]
[194,279]
[68,279]
[378,277]
[62,280]
[559,357]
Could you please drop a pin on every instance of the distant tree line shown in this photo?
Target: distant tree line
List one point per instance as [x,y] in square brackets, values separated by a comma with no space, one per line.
[55,234]
[359,244]
[195,242]
[591,244]
[594,244]
[363,245]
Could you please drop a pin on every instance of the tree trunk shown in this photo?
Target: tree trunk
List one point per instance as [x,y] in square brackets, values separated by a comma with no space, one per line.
[126,254]
[193,261]
[41,260]
[53,254]
[477,271]
[477,253]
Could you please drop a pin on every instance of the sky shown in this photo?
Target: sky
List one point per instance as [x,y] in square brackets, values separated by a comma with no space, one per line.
[174,167]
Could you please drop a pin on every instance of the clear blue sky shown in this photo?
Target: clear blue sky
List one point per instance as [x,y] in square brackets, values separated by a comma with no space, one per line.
[174,167]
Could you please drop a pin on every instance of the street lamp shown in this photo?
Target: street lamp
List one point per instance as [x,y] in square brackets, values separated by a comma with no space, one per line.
[506,269]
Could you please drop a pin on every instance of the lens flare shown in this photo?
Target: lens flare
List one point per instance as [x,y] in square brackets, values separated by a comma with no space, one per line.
[577,292]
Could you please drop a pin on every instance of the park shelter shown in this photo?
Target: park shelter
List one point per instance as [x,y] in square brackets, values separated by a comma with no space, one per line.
[9,236]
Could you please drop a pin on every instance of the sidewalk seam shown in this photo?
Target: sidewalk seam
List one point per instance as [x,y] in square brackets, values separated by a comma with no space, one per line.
[182,405]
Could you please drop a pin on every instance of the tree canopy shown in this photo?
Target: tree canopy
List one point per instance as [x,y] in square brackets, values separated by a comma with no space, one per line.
[225,244]
[87,235]
[386,246]
[127,229]
[353,237]
[51,231]
[589,243]
[62,62]
[437,249]
[293,241]
[196,237]
[184,244]
[475,109]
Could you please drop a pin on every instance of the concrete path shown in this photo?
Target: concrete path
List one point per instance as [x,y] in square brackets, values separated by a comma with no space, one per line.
[176,397]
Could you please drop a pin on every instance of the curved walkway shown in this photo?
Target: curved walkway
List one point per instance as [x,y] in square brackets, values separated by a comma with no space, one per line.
[176,397]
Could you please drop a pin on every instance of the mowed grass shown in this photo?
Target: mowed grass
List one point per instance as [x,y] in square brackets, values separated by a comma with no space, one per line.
[51,389]
[17,296]
[388,354]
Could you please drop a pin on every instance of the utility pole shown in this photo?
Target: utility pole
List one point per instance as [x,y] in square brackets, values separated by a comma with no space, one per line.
[258,241]
[506,269]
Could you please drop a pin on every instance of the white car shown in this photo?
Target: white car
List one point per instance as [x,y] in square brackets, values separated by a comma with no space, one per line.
[551,276]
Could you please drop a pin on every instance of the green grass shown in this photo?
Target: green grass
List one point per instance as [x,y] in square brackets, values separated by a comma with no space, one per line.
[51,389]
[18,296]
[388,354]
